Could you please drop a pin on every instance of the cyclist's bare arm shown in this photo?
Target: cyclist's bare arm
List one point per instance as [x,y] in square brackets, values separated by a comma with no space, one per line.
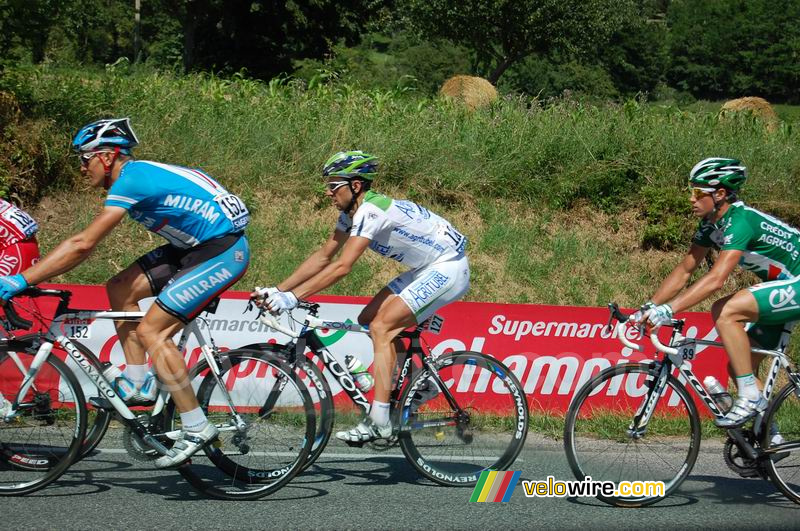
[75,249]
[315,263]
[678,278]
[709,283]
[353,248]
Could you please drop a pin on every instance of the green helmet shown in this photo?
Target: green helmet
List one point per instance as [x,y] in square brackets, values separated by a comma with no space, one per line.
[351,165]
[718,173]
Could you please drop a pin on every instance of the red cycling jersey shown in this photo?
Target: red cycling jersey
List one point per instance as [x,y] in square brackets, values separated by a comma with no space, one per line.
[18,247]
[15,224]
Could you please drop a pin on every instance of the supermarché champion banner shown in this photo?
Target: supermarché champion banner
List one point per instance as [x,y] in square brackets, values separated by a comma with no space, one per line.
[552,350]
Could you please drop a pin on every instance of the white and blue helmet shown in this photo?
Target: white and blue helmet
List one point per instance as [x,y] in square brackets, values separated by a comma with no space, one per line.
[106,134]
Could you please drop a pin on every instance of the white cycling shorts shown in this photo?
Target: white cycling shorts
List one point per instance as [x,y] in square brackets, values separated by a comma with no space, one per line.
[429,288]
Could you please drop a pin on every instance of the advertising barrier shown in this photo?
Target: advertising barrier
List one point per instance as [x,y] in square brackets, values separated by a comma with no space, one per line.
[552,350]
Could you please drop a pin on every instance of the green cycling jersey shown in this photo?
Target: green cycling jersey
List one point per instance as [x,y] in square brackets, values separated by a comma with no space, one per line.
[770,248]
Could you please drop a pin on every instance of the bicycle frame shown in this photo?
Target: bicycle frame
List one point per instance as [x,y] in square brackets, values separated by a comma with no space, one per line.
[56,334]
[682,349]
[306,338]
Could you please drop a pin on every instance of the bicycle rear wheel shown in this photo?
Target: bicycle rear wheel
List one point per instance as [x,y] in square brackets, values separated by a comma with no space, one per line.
[44,439]
[783,467]
[452,445]
[600,444]
[259,450]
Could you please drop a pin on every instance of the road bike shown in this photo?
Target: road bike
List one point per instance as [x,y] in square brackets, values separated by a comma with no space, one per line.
[637,421]
[46,429]
[442,421]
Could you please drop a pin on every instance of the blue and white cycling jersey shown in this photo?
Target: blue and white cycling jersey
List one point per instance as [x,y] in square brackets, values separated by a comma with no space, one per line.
[184,205]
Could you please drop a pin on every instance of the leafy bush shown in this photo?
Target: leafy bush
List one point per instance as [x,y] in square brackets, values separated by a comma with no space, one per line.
[665,211]
[385,62]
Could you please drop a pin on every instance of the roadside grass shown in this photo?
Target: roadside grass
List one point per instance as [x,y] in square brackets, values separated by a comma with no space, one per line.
[517,254]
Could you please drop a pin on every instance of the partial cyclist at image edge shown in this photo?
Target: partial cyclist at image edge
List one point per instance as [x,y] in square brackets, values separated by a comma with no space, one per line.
[206,253]
[401,230]
[18,250]
[759,243]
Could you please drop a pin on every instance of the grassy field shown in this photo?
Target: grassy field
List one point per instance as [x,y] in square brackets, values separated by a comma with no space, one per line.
[563,203]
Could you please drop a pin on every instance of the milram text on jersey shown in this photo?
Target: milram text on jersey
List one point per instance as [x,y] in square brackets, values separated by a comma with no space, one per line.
[403,231]
[184,205]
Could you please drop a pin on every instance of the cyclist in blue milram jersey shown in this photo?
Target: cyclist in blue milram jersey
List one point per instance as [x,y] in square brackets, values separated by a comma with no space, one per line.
[206,253]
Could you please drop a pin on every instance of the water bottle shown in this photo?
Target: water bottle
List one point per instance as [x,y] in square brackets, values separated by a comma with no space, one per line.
[362,377]
[718,393]
[121,385]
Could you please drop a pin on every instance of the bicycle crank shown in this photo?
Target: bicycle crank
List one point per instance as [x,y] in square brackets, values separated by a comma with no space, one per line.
[739,462]
[136,447]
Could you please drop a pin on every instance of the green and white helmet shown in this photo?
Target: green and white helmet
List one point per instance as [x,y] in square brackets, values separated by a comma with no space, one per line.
[351,165]
[717,172]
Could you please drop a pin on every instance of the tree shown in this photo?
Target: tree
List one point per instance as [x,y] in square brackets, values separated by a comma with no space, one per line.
[733,48]
[502,32]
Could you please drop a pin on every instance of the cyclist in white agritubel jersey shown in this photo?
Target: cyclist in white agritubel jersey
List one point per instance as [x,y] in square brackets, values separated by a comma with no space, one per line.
[401,230]
[206,253]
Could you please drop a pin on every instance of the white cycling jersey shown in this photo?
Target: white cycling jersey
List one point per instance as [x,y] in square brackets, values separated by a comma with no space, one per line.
[403,231]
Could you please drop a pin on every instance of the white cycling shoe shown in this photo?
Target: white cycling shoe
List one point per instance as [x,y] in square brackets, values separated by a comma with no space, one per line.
[743,410]
[188,445]
[5,407]
[366,431]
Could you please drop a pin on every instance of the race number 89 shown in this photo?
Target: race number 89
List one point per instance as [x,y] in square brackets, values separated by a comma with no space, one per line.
[687,352]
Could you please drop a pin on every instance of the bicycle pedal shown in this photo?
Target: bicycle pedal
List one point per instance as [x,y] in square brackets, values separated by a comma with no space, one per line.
[355,444]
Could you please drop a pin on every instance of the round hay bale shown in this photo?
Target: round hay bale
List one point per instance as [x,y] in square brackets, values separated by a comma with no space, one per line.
[9,109]
[474,92]
[754,106]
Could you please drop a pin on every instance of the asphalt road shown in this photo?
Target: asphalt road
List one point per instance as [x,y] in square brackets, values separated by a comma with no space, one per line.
[363,489]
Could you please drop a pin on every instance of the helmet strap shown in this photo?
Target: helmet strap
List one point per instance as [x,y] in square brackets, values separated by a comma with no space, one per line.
[108,167]
[353,196]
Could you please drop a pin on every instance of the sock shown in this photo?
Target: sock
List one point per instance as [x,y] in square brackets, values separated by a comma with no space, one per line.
[379,413]
[747,386]
[194,420]
[136,373]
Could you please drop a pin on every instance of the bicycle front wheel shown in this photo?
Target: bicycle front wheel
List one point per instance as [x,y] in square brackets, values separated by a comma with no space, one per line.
[266,421]
[451,443]
[782,440]
[602,445]
[45,437]
[321,394]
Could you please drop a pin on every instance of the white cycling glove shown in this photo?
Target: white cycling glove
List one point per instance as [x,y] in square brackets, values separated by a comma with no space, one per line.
[280,301]
[640,314]
[660,315]
[260,295]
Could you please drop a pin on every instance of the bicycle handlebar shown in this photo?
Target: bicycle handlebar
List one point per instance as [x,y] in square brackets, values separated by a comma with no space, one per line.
[621,328]
[661,346]
[18,322]
[272,322]
[14,318]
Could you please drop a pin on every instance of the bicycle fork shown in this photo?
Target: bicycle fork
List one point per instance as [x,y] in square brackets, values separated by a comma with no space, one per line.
[638,426]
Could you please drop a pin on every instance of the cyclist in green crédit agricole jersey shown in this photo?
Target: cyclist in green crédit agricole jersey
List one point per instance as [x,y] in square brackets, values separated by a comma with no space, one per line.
[759,243]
